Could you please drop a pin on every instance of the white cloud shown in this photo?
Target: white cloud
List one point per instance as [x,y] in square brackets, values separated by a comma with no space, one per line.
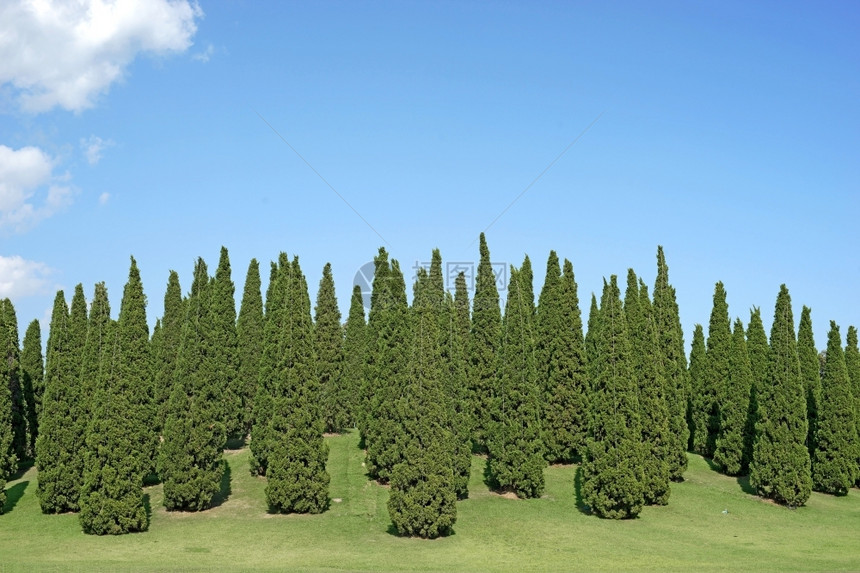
[61,53]
[104,198]
[205,55]
[20,277]
[94,147]
[23,173]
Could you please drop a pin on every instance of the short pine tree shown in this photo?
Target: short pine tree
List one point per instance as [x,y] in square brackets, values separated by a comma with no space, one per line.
[32,381]
[355,356]
[834,463]
[560,362]
[810,373]
[729,454]
[328,339]
[697,423]
[516,452]
[780,468]
[249,339]
[612,471]
[670,345]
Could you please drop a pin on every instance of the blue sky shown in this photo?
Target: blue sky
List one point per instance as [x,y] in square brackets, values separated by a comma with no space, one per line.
[727,132]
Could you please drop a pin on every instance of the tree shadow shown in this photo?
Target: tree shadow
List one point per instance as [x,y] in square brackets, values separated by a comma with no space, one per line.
[23,467]
[744,482]
[577,493]
[392,530]
[225,488]
[151,479]
[235,443]
[13,495]
[147,506]
[713,465]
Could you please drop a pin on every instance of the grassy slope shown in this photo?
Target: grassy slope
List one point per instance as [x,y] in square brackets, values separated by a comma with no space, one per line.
[492,533]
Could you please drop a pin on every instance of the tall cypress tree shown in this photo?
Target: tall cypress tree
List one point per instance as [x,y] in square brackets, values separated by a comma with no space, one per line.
[810,373]
[328,339]
[716,371]
[670,345]
[249,340]
[648,374]
[457,387]
[96,349]
[759,351]
[296,474]
[190,460]
[560,358]
[697,423]
[121,443]
[729,453]
[612,471]
[852,364]
[591,334]
[516,452]
[355,356]
[484,342]
[171,338]
[423,498]
[32,381]
[526,277]
[780,466]
[8,458]
[834,463]
[10,365]
[223,359]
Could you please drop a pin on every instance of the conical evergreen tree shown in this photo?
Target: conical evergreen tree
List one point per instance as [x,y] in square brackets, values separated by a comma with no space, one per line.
[355,356]
[423,497]
[32,381]
[249,339]
[121,443]
[328,339]
[223,359]
[171,338]
[297,477]
[729,454]
[8,459]
[670,345]
[759,351]
[96,349]
[810,373]
[485,340]
[457,383]
[648,371]
[516,452]
[780,466]
[526,276]
[190,461]
[591,335]
[716,371]
[612,471]
[10,373]
[852,364]
[834,463]
[560,358]
[698,359]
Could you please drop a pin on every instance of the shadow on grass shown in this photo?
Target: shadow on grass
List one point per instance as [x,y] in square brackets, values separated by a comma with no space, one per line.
[235,443]
[577,493]
[148,507]
[744,482]
[712,464]
[392,530]
[13,495]
[151,479]
[225,488]
[23,467]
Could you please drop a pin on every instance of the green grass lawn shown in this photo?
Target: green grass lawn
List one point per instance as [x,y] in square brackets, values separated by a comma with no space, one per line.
[492,533]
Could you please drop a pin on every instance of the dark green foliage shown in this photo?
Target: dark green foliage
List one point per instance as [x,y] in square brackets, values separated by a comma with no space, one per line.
[169,340]
[62,426]
[527,287]
[698,359]
[707,402]
[648,372]
[670,345]
[484,340]
[612,471]
[852,364]
[296,473]
[10,376]
[96,348]
[560,363]
[328,338]
[249,340]
[7,431]
[389,336]
[591,334]
[32,381]
[223,356]
[457,331]
[810,373]
[190,461]
[729,454]
[121,443]
[780,466]
[516,452]
[759,351]
[355,356]
[423,496]
[834,463]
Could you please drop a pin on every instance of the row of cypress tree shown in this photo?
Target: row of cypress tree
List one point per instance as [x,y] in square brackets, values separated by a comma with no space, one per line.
[425,385]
